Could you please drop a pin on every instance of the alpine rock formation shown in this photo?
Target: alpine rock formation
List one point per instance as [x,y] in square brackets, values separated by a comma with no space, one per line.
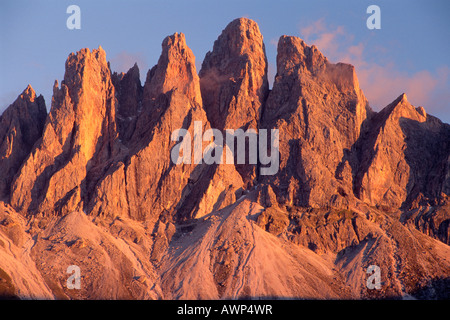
[92,183]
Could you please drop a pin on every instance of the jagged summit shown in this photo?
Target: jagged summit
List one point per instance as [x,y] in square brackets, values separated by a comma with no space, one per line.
[175,69]
[87,52]
[237,39]
[21,125]
[319,109]
[234,76]
[234,83]
[93,183]
[399,109]
[293,53]
[80,130]
[393,175]
[28,93]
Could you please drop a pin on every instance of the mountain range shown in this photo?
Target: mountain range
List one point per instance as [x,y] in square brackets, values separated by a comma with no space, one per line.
[91,183]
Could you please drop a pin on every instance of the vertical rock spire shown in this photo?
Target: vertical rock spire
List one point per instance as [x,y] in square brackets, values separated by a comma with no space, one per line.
[318,108]
[234,82]
[175,70]
[79,133]
[21,125]
[233,77]
[146,183]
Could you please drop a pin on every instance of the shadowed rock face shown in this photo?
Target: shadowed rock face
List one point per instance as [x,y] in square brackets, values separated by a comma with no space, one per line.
[93,184]
[129,95]
[21,125]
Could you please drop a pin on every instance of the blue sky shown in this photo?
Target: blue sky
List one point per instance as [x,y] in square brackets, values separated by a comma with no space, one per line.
[410,53]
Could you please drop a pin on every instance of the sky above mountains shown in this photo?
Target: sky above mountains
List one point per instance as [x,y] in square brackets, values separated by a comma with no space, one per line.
[408,54]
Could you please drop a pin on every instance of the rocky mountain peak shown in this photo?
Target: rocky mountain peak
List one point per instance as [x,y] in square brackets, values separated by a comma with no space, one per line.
[294,54]
[234,76]
[85,53]
[241,36]
[21,125]
[89,85]
[392,174]
[401,108]
[234,83]
[80,131]
[28,94]
[318,108]
[175,70]
[81,62]
[133,72]
[129,95]
[177,40]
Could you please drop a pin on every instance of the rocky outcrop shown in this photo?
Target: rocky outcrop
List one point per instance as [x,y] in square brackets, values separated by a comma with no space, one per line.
[405,158]
[129,95]
[144,182]
[318,109]
[209,188]
[433,221]
[21,125]
[362,237]
[79,133]
[19,273]
[234,82]
[233,77]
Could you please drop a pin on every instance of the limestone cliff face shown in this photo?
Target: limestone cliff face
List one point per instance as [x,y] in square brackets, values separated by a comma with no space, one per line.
[318,109]
[144,182]
[175,70]
[79,133]
[21,125]
[234,77]
[405,157]
[234,82]
[129,95]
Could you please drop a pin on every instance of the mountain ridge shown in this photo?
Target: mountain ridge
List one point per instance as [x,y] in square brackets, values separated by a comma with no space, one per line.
[354,187]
